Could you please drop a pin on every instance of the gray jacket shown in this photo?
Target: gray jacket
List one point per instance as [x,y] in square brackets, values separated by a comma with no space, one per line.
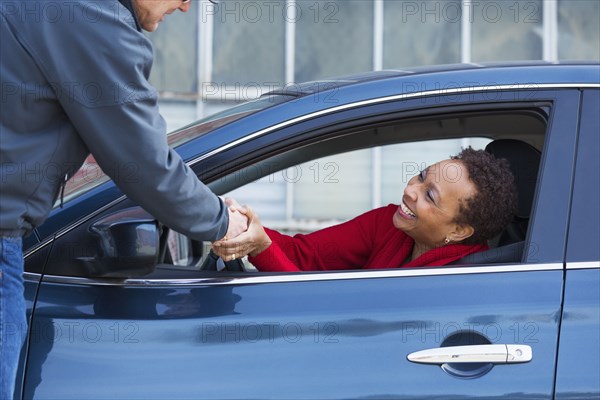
[74,78]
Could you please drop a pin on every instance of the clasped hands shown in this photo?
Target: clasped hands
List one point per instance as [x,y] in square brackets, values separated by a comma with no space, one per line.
[240,242]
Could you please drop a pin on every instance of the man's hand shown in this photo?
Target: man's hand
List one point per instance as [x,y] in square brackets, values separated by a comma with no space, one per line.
[238,221]
[252,242]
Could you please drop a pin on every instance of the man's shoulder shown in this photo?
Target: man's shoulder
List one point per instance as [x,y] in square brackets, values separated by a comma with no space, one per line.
[67,13]
[90,50]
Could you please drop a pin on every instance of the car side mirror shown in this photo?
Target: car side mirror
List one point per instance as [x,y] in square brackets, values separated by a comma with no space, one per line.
[128,244]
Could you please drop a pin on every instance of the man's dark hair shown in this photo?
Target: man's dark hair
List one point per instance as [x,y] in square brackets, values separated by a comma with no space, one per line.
[493,206]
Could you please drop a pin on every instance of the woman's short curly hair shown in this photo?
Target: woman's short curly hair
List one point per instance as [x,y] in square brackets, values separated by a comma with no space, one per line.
[493,206]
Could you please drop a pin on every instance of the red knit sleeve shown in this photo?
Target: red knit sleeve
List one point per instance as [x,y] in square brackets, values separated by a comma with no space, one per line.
[344,246]
[272,259]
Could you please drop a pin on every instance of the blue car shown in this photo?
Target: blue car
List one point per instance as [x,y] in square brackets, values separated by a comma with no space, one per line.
[122,307]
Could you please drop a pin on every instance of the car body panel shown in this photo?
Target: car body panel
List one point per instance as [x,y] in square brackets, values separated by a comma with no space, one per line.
[578,370]
[278,340]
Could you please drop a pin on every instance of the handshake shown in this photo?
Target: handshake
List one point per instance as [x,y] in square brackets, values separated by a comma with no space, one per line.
[245,235]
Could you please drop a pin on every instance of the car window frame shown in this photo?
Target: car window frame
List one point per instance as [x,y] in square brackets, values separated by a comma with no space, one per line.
[547,237]
[583,241]
[504,98]
[556,167]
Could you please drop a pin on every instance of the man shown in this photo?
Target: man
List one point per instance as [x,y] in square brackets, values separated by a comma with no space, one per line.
[74,78]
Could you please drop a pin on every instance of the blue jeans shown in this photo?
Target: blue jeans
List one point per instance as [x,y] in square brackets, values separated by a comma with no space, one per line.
[13,324]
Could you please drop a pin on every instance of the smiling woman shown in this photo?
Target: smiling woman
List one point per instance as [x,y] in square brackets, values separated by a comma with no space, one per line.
[448,211]
[431,204]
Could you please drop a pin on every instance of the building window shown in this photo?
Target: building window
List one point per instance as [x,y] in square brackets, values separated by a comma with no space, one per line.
[506,30]
[175,68]
[333,38]
[249,44]
[421,33]
[579,30]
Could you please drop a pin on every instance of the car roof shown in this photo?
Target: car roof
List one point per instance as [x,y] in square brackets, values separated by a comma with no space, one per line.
[308,98]
[518,71]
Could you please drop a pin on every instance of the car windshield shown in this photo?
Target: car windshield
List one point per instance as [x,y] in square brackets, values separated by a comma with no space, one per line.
[90,175]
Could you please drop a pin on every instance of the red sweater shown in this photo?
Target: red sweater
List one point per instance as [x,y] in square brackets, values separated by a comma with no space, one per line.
[369,241]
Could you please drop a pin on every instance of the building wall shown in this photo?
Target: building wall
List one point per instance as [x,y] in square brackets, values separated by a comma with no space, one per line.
[218,55]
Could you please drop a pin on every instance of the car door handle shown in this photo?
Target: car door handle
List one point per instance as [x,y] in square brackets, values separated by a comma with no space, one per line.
[485,353]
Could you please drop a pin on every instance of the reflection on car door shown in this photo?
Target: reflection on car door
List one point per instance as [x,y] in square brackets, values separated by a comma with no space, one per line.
[337,338]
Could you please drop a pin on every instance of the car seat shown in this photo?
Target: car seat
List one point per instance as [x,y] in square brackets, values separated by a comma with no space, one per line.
[524,161]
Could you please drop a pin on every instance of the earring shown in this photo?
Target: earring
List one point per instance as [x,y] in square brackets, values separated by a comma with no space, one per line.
[446,241]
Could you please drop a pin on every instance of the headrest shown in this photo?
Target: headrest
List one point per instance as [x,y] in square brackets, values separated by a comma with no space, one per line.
[524,162]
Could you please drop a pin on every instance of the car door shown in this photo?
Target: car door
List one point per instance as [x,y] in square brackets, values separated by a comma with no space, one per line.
[201,334]
[578,372]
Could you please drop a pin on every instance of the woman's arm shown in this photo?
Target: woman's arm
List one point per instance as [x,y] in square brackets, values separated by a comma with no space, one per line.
[344,246]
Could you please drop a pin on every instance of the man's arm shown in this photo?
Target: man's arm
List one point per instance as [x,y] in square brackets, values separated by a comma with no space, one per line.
[100,69]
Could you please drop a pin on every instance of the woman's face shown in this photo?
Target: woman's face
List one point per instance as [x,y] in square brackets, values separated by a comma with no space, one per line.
[431,203]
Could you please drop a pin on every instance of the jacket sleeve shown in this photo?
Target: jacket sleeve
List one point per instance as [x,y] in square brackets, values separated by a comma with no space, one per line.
[99,64]
[344,246]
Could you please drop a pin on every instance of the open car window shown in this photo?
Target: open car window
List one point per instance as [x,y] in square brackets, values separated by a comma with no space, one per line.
[331,181]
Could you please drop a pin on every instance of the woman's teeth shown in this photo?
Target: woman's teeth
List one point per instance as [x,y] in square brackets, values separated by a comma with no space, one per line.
[407,210]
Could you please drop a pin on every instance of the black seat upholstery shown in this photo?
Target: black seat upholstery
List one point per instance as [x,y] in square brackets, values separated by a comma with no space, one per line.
[524,161]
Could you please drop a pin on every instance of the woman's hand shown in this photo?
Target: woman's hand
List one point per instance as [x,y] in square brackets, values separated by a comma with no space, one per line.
[252,242]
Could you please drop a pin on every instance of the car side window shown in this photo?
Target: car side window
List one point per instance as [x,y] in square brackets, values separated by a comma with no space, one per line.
[330,190]
[326,191]
[332,181]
